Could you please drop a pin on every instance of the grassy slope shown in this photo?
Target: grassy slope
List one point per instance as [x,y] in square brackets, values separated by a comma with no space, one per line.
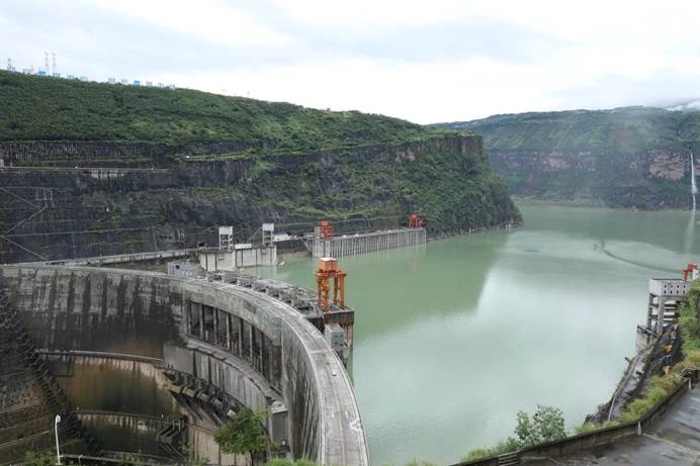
[39,108]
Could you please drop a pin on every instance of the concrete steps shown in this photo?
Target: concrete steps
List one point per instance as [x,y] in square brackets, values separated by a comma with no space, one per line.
[509,459]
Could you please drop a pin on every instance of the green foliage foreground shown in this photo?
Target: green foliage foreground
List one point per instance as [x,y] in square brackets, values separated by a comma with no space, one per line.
[547,424]
[243,434]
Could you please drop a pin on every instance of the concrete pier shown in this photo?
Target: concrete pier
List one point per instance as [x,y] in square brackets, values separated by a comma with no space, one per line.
[351,245]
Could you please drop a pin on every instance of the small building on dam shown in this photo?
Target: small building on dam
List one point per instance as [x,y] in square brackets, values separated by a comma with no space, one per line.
[208,348]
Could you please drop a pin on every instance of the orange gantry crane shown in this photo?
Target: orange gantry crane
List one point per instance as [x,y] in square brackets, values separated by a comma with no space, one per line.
[325,230]
[414,221]
[328,269]
[688,271]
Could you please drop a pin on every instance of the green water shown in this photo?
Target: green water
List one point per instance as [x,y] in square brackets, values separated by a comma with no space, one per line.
[452,339]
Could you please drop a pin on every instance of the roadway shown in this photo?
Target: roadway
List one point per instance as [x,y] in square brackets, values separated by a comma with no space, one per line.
[674,439]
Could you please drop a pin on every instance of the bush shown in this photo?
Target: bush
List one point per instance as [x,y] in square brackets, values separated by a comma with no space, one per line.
[547,424]
[243,433]
[285,462]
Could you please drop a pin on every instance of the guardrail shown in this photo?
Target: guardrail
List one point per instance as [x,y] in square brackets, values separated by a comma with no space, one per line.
[588,440]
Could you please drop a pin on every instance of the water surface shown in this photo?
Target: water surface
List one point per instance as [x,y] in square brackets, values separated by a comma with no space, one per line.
[454,338]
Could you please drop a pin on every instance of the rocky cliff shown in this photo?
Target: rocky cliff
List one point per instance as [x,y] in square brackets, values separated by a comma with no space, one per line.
[74,196]
[630,157]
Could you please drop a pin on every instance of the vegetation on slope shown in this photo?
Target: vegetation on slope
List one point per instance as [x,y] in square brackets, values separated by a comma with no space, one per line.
[632,157]
[623,130]
[452,191]
[40,108]
[662,385]
[224,161]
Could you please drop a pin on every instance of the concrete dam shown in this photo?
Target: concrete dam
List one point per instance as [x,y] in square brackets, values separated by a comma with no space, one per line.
[251,344]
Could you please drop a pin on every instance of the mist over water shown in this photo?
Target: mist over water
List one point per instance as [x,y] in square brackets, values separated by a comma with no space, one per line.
[455,338]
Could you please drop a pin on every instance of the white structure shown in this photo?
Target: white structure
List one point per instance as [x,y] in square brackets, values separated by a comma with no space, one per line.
[230,256]
[111,80]
[665,298]
[268,234]
[183,269]
[225,237]
[335,336]
[243,255]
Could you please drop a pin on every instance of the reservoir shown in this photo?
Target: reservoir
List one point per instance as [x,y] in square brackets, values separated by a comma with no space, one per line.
[452,339]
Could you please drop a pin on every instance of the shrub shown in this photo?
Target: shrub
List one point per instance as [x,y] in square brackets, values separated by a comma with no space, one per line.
[243,433]
[547,424]
[285,462]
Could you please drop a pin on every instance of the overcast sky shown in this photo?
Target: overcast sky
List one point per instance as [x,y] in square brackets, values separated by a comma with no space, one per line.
[425,61]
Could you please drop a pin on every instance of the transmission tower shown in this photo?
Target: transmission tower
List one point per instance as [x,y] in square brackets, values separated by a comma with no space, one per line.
[53,63]
[46,62]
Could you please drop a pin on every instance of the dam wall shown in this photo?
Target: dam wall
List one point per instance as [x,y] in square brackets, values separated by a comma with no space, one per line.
[351,245]
[257,349]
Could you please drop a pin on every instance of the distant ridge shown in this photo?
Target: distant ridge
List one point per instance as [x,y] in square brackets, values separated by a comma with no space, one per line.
[631,157]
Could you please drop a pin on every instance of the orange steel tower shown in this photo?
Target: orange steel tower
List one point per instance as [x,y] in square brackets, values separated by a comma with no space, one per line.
[325,230]
[327,269]
[688,271]
[414,221]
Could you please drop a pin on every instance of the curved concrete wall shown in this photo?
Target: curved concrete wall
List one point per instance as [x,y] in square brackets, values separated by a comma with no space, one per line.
[280,357]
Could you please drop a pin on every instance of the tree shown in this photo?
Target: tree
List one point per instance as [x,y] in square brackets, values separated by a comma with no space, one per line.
[547,424]
[243,433]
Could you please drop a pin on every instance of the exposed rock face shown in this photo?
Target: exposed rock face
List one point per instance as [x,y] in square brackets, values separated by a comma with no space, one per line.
[650,180]
[633,157]
[71,199]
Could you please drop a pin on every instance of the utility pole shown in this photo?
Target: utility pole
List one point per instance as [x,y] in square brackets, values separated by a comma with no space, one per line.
[57,421]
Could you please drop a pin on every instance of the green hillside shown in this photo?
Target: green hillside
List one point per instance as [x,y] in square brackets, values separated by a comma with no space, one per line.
[40,108]
[92,169]
[626,130]
[635,157]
